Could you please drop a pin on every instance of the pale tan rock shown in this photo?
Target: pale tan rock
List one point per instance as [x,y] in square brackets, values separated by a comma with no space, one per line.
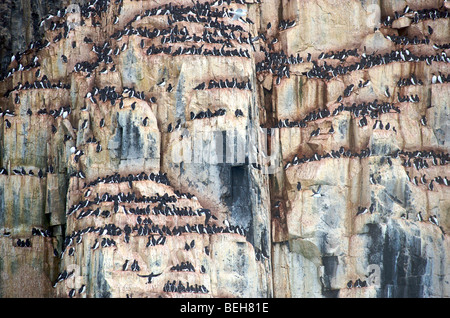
[401,23]
[308,246]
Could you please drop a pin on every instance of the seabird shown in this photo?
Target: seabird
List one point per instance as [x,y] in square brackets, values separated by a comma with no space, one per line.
[419,217]
[434,79]
[96,245]
[200,86]
[317,194]
[135,266]
[331,131]
[238,113]
[150,276]
[162,83]
[423,179]
[362,210]
[238,13]
[82,289]
[423,121]
[433,220]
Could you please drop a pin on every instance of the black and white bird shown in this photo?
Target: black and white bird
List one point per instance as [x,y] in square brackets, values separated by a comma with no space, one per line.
[82,289]
[238,13]
[317,194]
[350,284]
[71,251]
[150,277]
[162,82]
[315,132]
[96,245]
[433,219]
[423,121]
[362,210]
[419,217]
[423,179]
[135,266]
[200,86]
[331,131]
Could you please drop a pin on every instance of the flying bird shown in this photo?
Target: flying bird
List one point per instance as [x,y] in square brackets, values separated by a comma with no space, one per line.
[238,13]
[150,276]
[317,194]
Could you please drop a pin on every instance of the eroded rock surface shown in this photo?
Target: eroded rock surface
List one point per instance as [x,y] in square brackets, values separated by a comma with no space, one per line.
[168,150]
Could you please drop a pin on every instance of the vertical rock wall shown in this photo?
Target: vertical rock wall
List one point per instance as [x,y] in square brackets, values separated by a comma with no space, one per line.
[322,243]
[168,150]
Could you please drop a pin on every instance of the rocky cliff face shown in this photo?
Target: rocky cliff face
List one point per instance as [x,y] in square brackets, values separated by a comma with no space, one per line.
[154,149]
